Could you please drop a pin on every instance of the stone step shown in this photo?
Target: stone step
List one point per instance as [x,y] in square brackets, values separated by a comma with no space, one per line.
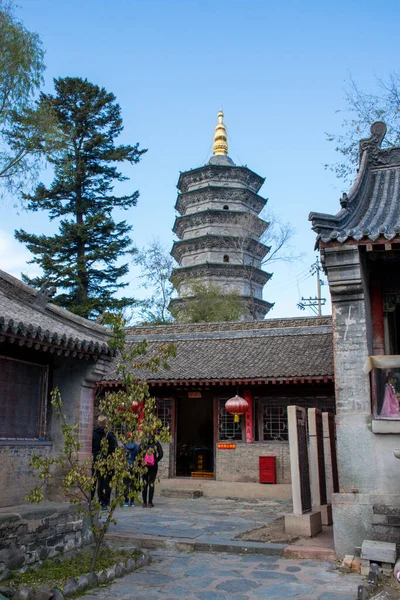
[310,552]
[189,545]
[378,551]
[177,493]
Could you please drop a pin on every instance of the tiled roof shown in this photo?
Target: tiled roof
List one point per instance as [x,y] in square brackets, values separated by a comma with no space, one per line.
[270,349]
[26,316]
[371,210]
[219,172]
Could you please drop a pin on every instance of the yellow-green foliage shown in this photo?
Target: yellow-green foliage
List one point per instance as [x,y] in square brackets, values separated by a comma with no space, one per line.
[78,480]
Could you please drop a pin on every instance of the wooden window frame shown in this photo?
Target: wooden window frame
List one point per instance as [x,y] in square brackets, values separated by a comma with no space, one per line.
[44,385]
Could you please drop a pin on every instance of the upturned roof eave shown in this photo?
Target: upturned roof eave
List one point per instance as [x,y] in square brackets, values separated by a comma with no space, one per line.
[371,209]
[322,223]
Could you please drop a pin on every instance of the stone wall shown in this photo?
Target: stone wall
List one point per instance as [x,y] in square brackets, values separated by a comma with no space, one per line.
[16,476]
[368,471]
[164,466]
[242,463]
[33,533]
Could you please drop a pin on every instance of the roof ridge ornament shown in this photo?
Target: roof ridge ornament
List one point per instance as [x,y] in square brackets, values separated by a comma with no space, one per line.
[374,142]
[44,295]
[220,146]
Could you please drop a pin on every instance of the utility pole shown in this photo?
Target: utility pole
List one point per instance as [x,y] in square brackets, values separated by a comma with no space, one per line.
[316,303]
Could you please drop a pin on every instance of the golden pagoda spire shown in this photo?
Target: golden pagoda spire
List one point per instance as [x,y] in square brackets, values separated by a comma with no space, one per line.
[220,146]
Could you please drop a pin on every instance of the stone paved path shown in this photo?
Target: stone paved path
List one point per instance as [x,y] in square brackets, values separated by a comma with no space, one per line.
[200,518]
[199,576]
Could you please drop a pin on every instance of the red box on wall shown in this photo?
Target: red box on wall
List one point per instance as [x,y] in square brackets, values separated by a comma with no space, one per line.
[267,469]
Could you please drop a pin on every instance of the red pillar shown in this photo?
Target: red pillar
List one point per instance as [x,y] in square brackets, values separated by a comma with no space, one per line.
[249,417]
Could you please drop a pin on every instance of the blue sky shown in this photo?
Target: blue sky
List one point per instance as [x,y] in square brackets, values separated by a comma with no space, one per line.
[277,70]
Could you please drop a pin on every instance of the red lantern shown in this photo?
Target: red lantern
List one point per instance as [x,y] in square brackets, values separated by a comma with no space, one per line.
[135,406]
[236,406]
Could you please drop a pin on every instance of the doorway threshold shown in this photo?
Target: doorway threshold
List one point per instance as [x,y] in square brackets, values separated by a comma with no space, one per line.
[224,489]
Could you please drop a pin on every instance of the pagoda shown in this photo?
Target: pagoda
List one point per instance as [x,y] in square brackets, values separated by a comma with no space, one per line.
[219,230]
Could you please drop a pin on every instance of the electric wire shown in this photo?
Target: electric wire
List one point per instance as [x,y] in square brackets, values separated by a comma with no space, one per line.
[293,279]
[291,283]
[289,286]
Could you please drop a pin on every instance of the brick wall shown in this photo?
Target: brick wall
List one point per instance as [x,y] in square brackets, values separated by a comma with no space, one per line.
[242,463]
[16,476]
[32,534]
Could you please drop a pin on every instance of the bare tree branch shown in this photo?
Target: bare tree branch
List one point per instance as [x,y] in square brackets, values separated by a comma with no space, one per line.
[156,266]
[255,251]
[363,109]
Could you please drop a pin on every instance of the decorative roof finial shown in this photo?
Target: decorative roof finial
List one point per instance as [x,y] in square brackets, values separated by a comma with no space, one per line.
[220,146]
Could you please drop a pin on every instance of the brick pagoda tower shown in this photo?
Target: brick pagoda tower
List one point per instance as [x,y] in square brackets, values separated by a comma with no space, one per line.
[219,230]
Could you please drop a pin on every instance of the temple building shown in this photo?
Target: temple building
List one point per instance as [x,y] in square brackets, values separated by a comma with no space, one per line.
[272,363]
[360,250]
[219,230]
[42,348]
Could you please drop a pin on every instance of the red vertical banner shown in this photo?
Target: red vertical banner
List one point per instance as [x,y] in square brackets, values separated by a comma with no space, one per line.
[377,314]
[249,417]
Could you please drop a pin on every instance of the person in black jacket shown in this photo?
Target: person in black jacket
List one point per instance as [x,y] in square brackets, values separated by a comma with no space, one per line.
[102,482]
[151,452]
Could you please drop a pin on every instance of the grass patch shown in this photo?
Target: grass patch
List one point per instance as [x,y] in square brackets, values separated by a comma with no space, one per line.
[56,571]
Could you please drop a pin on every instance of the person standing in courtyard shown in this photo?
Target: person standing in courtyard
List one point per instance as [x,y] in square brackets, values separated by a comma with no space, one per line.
[132,450]
[102,480]
[152,453]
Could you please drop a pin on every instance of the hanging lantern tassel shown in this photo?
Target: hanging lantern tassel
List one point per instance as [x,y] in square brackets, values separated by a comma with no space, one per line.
[236,406]
[135,406]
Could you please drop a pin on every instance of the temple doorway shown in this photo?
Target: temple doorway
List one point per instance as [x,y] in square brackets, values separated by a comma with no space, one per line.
[194,437]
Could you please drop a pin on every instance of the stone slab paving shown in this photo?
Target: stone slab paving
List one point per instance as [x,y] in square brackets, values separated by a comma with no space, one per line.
[199,518]
[198,576]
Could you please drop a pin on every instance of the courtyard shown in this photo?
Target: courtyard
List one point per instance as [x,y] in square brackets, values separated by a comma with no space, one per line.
[196,554]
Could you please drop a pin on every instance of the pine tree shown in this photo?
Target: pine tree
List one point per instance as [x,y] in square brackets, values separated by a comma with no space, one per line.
[82,258]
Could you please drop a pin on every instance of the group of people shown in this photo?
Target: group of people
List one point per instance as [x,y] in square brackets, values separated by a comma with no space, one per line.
[149,451]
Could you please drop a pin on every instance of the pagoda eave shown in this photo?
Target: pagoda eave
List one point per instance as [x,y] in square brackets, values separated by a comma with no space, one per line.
[219,270]
[217,216]
[262,306]
[220,172]
[211,242]
[232,194]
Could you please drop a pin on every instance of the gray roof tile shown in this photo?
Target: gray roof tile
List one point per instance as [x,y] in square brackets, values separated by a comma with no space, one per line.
[277,348]
[25,314]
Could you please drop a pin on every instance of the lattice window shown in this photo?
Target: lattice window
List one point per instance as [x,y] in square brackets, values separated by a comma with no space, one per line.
[23,394]
[227,428]
[275,426]
[164,411]
[274,414]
